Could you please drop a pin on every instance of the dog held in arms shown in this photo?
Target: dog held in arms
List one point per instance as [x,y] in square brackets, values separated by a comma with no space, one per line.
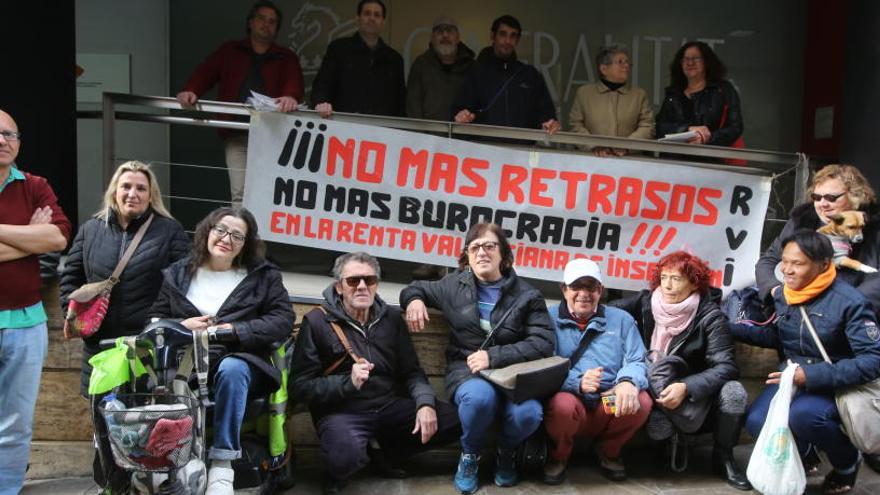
[843,230]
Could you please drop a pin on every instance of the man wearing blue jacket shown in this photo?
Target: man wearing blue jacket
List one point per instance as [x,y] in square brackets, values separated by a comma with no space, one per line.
[605,395]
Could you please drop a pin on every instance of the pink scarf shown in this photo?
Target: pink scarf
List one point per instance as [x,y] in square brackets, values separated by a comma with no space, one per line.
[671,319]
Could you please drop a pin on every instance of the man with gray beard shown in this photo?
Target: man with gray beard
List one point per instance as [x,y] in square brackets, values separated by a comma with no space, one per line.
[437,74]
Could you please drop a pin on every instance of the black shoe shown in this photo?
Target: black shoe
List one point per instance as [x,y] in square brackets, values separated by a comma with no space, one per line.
[332,486]
[611,468]
[725,466]
[838,484]
[381,466]
[554,472]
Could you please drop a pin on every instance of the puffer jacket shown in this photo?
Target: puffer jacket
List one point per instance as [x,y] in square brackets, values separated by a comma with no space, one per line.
[705,107]
[524,331]
[96,250]
[706,345]
[383,341]
[616,347]
[432,85]
[258,308]
[868,252]
[846,326]
[523,102]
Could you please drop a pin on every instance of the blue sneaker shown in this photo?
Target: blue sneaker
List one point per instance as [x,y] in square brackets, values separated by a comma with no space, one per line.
[505,467]
[466,480]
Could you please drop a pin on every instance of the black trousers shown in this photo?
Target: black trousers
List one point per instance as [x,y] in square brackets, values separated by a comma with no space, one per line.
[344,436]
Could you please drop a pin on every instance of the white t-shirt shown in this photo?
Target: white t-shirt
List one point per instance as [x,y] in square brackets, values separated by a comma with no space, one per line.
[209,289]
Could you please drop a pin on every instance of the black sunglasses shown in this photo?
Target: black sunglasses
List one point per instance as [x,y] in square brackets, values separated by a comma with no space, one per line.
[827,197]
[355,281]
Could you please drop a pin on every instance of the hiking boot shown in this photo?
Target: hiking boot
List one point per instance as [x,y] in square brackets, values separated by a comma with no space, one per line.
[466,476]
[554,471]
[837,484]
[505,467]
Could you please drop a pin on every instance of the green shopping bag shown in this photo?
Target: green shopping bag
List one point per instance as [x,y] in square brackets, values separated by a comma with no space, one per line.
[110,368]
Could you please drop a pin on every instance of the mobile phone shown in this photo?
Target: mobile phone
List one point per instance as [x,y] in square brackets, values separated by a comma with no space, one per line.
[609,403]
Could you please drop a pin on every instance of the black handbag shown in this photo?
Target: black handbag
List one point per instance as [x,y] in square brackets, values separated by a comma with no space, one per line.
[690,415]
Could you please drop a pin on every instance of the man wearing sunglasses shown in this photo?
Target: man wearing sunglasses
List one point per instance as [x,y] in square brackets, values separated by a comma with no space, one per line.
[350,376]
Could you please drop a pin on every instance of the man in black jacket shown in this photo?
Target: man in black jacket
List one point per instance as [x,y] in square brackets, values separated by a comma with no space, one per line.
[361,74]
[501,90]
[350,376]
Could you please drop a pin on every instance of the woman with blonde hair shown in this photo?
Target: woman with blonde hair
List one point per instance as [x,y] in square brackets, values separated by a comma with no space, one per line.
[131,198]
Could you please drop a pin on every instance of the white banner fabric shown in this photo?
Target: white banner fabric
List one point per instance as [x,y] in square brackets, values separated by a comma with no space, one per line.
[409,196]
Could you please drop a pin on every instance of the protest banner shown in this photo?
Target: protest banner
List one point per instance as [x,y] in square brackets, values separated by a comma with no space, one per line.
[409,196]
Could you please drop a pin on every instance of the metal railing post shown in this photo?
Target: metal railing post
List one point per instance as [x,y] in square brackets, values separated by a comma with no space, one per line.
[109,136]
[801,178]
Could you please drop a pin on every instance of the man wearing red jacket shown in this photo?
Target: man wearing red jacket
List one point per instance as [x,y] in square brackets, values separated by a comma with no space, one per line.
[255,63]
[31,223]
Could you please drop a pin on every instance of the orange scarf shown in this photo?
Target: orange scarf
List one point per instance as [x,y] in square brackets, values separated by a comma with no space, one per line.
[813,289]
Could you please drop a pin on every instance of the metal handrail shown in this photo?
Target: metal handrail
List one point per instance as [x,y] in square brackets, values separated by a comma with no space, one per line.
[162,109]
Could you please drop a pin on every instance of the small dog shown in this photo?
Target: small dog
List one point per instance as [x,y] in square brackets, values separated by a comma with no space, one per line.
[843,230]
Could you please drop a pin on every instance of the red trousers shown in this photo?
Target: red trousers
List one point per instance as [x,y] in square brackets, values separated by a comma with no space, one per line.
[566,417]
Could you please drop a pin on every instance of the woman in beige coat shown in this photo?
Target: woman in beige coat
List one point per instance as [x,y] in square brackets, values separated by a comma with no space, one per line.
[611,107]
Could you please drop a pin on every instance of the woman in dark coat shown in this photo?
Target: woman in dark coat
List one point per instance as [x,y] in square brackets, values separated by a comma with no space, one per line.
[483,294]
[132,196]
[699,99]
[846,326]
[679,317]
[226,283]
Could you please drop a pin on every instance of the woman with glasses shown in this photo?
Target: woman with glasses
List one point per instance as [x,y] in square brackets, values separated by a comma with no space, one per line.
[226,283]
[131,198]
[495,319]
[685,330]
[611,107]
[699,99]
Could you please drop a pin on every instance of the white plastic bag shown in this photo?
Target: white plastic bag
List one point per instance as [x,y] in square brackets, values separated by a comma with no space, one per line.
[775,467]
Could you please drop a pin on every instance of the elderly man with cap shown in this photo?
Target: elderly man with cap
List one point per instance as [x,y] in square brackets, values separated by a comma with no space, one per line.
[605,395]
[437,75]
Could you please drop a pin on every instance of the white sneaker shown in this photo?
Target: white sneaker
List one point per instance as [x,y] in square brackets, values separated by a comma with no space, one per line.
[220,481]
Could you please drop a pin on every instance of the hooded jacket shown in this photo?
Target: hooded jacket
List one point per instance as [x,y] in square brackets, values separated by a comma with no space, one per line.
[258,308]
[847,328]
[868,252]
[432,85]
[524,101]
[706,344]
[96,250]
[524,332]
[383,341]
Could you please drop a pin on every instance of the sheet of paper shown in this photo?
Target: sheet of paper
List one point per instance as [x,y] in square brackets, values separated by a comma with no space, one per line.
[680,137]
[262,102]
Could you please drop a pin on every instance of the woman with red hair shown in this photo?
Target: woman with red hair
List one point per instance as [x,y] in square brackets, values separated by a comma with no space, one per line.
[693,375]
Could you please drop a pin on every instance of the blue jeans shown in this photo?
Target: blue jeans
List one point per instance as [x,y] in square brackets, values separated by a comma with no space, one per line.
[236,380]
[814,420]
[479,404]
[22,351]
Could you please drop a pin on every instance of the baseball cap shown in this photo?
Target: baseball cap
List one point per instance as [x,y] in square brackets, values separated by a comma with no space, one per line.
[444,20]
[579,268]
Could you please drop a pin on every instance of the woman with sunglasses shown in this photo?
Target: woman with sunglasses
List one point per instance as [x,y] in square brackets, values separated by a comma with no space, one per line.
[226,283]
[495,319]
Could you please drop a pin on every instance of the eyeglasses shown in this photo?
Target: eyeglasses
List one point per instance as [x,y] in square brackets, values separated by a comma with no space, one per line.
[489,247]
[587,286]
[691,60]
[10,135]
[355,281]
[445,28]
[827,197]
[223,231]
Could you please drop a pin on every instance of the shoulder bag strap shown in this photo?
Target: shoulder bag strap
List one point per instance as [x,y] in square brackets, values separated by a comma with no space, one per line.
[500,90]
[131,248]
[497,325]
[349,352]
[814,334]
